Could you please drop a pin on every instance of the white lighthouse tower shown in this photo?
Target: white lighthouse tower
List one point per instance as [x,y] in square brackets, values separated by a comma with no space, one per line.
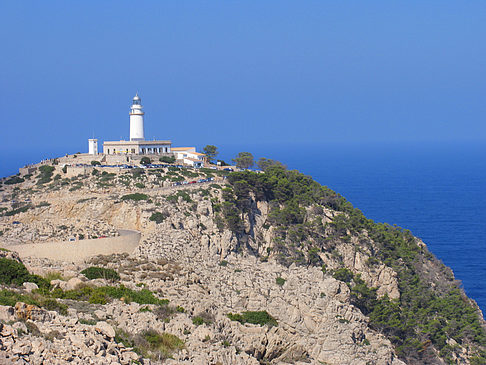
[93,146]
[136,120]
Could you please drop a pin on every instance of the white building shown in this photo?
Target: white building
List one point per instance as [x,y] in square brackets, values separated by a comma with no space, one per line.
[93,146]
[189,156]
[137,145]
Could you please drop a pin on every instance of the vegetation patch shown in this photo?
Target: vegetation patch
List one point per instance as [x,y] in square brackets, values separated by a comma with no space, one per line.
[261,318]
[10,298]
[167,159]
[151,344]
[14,180]
[15,273]
[95,272]
[203,318]
[103,294]
[18,210]
[158,217]
[175,197]
[135,197]
[45,174]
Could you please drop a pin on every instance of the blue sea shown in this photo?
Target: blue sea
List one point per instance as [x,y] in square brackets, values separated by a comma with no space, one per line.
[438,191]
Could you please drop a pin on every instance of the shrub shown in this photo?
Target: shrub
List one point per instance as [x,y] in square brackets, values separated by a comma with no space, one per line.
[156,345]
[89,322]
[54,305]
[175,197]
[46,169]
[167,159]
[280,281]
[100,273]
[14,272]
[203,318]
[104,293]
[98,297]
[95,163]
[261,318]
[54,275]
[343,274]
[223,263]
[14,180]
[145,161]
[164,313]
[139,185]
[135,196]
[9,297]
[158,217]
[18,210]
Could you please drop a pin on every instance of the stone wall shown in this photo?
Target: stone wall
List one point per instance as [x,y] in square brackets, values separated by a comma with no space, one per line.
[76,251]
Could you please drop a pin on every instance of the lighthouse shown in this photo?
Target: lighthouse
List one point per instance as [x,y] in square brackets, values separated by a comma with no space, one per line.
[136,120]
[137,145]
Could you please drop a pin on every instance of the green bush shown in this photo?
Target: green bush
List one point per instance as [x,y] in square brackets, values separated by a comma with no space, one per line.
[150,343]
[158,217]
[105,293]
[203,318]
[46,169]
[145,161]
[261,318]
[95,163]
[343,274]
[175,197]
[10,298]
[167,159]
[94,272]
[135,196]
[280,281]
[14,180]
[14,272]
[18,210]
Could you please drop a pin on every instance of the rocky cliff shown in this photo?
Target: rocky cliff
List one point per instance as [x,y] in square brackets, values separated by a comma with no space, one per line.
[264,268]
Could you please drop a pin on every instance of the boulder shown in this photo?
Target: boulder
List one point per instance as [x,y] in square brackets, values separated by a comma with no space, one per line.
[7,313]
[28,311]
[30,286]
[105,329]
[73,283]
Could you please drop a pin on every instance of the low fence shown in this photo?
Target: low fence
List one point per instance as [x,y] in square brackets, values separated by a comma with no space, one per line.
[76,251]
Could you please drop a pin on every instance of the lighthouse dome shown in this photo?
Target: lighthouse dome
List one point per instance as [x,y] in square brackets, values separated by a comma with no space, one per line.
[136,97]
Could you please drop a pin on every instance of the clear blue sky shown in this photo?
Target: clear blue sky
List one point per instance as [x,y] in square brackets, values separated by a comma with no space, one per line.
[217,72]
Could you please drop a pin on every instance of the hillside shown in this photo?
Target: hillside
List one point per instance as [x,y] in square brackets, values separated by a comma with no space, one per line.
[252,268]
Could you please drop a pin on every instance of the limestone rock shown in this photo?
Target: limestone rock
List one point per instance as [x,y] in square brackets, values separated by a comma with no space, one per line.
[73,283]
[7,313]
[105,329]
[30,286]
